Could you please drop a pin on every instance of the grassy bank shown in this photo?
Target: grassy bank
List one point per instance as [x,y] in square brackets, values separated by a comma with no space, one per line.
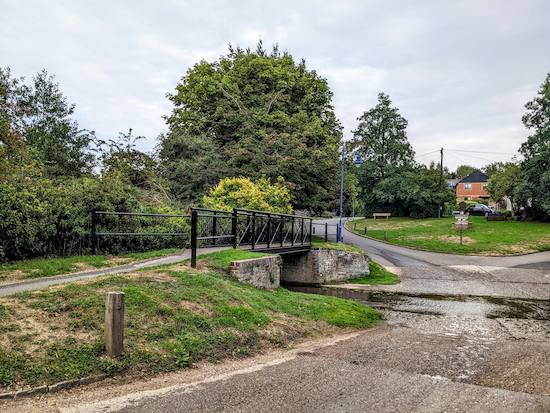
[486,237]
[175,316]
[49,267]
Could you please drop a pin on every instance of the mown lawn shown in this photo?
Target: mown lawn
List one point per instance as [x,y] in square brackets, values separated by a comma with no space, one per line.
[174,317]
[486,237]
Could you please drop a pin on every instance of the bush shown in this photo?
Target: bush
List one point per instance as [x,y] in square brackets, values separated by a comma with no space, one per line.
[54,218]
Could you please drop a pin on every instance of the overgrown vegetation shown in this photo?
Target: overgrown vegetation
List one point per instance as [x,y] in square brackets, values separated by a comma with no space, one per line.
[486,237]
[175,317]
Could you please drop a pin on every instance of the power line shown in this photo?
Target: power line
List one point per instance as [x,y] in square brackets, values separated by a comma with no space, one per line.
[491,153]
[429,153]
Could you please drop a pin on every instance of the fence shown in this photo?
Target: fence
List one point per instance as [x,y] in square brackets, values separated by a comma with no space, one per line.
[245,228]
[94,232]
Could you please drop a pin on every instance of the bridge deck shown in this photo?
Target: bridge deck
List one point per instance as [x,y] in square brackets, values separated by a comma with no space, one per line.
[277,249]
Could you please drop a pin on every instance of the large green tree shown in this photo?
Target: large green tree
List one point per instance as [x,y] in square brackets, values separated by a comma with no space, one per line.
[36,119]
[533,191]
[464,170]
[382,137]
[253,113]
[389,178]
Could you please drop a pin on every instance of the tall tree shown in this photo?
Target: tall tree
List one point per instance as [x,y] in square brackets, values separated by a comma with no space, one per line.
[37,117]
[464,170]
[533,192]
[381,140]
[382,132]
[254,113]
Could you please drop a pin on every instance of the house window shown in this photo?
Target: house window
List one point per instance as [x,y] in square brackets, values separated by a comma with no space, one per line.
[484,186]
[467,186]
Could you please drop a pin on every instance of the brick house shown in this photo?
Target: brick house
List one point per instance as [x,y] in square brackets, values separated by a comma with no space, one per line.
[473,187]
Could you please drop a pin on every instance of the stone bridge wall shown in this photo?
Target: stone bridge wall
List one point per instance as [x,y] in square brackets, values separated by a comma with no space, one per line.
[313,267]
[323,265]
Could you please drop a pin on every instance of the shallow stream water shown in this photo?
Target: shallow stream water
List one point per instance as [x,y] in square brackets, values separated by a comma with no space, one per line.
[440,305]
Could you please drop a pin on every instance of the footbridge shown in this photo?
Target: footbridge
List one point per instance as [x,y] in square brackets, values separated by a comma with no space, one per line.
[252,230]
[259,231]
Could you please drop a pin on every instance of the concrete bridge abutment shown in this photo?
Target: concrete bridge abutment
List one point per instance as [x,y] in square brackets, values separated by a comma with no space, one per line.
[316,266]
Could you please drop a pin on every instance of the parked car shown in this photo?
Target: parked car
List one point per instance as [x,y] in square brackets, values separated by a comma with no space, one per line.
[479,209]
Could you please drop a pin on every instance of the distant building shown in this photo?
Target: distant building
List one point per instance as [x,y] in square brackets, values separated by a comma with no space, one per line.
[452,183]
[473,187]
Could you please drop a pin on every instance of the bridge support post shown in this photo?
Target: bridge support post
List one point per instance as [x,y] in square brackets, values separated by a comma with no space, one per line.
[94,236]
[253,230]
[193,239]
[234,227]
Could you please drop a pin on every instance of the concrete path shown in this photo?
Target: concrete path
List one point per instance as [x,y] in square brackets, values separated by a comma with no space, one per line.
[36,284]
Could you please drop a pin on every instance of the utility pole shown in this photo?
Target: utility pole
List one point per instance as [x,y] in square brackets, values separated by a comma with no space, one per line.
[441,173]
[440,212]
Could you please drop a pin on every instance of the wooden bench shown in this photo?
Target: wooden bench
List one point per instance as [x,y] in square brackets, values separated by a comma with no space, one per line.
[381,214]
[495,217]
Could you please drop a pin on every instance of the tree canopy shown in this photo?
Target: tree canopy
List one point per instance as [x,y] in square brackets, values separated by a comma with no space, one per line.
[533,192]
[243,193]
[464,170]
[253,114]
[35,124]
[503,181]
[389,178]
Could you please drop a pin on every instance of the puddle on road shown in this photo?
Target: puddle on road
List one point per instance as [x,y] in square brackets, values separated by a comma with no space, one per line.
[442,305]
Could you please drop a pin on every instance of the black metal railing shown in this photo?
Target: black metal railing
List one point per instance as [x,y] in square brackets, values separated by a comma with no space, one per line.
[126,228]
[245,228]
[324,230]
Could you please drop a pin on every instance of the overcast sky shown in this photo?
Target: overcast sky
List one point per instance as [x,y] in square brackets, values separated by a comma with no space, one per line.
[459,71]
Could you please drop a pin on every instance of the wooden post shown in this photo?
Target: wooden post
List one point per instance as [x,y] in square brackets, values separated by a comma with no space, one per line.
[365,230]
[114,323]
[385,235]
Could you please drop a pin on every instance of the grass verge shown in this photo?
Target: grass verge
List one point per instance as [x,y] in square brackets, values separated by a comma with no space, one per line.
[378,275]
[49,267]
[319,242]
[175,316]
[486,237]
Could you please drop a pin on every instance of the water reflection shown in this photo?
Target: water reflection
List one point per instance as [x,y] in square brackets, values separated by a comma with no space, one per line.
[443,305]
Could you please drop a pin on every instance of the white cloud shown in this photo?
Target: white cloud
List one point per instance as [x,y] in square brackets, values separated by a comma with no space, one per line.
[460,72]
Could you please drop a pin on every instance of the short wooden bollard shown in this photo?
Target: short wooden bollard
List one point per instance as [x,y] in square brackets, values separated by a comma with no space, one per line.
[114,323]
[385,235]
[365,230]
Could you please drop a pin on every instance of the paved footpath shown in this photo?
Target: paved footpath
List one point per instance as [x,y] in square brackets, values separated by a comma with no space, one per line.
[8,289]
